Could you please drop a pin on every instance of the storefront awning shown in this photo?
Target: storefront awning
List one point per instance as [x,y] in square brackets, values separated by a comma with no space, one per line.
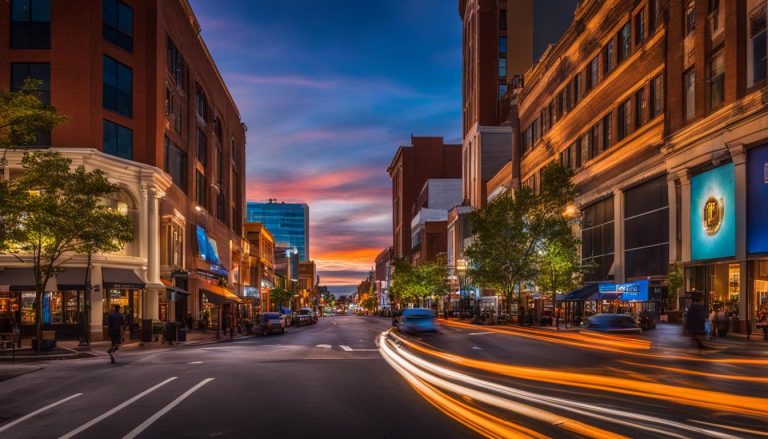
[219,295]
[582,293]
[22,279]
[121,278]
[72,278]
[172,292]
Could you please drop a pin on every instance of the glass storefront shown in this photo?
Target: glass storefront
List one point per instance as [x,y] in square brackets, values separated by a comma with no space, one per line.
[61,310]
[719,284]
[131,304]
[758,301]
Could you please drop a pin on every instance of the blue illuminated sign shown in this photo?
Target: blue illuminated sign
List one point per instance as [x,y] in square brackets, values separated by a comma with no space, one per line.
[757,198]
[628,292]
[713,214]
[206,247]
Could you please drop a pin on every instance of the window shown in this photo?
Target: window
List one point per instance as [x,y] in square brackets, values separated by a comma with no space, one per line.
[503,45]
[689,84]
[502,90]
[653,15]
[219,165]
[544,121]
[624,127]
[594,72]
[176,164]
[173,248]
[608,60]
[625,43]
[594,137]
[118,24]
[586,146]
[176,65]
[690,18]
[641,108]
[503,19]
[20,72]
[646,228]
[535,127]
[607,135]
[577,153]
[597,238]
[201,104]
[118,87]
[31,24]
[118,140]
[221,208]
[565,100]
[657,95]
[716,80]
[552,114]
[577,88]
[756,52]
[202,147]
[502,67]
[202,190]
[640,27]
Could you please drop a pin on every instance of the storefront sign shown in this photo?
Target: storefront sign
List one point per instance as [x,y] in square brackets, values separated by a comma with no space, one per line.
[628,292]
[757,200]
[206,247]
[713,214]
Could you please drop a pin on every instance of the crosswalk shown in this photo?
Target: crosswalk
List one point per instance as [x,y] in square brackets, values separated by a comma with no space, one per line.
[61,408]
[345,348]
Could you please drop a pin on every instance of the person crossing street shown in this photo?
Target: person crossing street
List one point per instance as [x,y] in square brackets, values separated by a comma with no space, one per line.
[115,324]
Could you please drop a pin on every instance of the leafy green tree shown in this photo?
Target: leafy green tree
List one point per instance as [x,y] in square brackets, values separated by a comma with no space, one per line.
[416,283]
[369,303]
[62,213]
[675,280]
[515,231]
[280,296]
[559,266]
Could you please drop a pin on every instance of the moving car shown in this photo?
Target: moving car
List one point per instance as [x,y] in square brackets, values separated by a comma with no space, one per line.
[305,316]
[612,323]
[272,322]
[418,320]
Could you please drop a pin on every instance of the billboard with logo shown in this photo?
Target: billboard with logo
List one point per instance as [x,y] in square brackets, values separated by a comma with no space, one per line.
[757,200]
[713,214]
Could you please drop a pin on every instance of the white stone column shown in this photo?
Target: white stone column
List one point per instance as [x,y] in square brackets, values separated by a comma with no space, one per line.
[154,286]
[739,157]
[618,236]
[672,209]
[96,302]
[685,212]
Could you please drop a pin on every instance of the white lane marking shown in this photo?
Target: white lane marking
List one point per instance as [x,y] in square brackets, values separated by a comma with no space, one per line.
[480,333]
[38,411]
[349,349]
[477,348]
[143,426]
[105,415]
[195,362]
[324,346]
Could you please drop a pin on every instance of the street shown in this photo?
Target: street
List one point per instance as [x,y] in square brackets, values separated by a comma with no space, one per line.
[274,386]
[331,380]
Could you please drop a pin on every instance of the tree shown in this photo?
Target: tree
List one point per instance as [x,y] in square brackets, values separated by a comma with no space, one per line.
[280,296]
[411,283]
[369,303]
[675,280]
[22,117]
[62,213]
[516,231]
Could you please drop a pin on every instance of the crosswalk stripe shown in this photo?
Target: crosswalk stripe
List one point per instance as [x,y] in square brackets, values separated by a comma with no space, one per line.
[38,411]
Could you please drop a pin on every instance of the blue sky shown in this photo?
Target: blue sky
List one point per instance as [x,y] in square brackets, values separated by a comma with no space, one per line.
[328,90]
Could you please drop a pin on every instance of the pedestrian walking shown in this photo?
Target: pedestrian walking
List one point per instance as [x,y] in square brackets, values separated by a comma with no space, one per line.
[762,323]
[115,324]
[695,323]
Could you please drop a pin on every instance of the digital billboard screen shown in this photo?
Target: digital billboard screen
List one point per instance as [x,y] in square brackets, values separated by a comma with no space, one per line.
[713,214]
[757,200]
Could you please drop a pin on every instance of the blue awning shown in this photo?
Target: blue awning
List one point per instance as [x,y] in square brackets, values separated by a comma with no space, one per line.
[583,293]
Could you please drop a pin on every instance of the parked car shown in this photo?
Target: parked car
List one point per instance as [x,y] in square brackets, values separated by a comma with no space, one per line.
[272,322]
[417,320]
[305,316]
[612,323]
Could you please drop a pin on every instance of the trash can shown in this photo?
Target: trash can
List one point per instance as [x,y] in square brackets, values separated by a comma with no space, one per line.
[170,331]
[146,331]
[182,333]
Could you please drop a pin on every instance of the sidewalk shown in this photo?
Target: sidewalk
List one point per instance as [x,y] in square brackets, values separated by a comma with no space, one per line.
[71,349]
[671,335]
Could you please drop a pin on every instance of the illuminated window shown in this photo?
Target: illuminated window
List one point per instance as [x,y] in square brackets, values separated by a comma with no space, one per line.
[716,80]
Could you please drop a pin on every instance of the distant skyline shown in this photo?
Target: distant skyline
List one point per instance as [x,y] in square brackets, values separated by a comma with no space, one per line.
[328,91]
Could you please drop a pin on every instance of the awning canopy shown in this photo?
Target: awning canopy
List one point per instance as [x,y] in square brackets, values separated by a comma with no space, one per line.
[72,278]
[172,292]
[582,293]
[219,295]
[22,279]
[121,278]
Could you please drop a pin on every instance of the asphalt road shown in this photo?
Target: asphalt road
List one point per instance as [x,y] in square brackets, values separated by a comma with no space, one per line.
[325,380]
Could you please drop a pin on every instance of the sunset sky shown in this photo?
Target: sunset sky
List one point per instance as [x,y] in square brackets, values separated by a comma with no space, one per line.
[328,90]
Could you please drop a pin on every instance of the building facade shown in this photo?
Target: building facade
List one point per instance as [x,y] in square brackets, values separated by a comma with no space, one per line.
[261,264]
[411,167]
[137,82]
[288,222]
[383,276]
[430,216]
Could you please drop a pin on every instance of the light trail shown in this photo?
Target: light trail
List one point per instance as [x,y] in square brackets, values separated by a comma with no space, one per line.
[698,373]
[592,342]
[620,417]
[745,405]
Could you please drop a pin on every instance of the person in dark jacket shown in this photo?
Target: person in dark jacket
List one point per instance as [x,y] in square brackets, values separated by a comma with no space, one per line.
[115,324]
[694,323]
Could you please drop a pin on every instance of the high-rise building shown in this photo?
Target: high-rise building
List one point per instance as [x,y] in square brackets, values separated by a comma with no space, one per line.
[288,222]
[411,167]
[146,103]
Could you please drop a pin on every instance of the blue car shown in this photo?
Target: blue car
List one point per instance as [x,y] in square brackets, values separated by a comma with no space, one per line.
[418,320]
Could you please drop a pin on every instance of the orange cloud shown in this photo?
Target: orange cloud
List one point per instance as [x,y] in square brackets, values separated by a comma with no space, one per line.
[357,256]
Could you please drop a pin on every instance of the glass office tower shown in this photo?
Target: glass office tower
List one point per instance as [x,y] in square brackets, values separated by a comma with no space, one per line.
[288,222]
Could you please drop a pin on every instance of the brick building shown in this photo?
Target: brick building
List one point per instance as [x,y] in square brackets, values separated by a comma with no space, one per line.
[411,167]
[137,83]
